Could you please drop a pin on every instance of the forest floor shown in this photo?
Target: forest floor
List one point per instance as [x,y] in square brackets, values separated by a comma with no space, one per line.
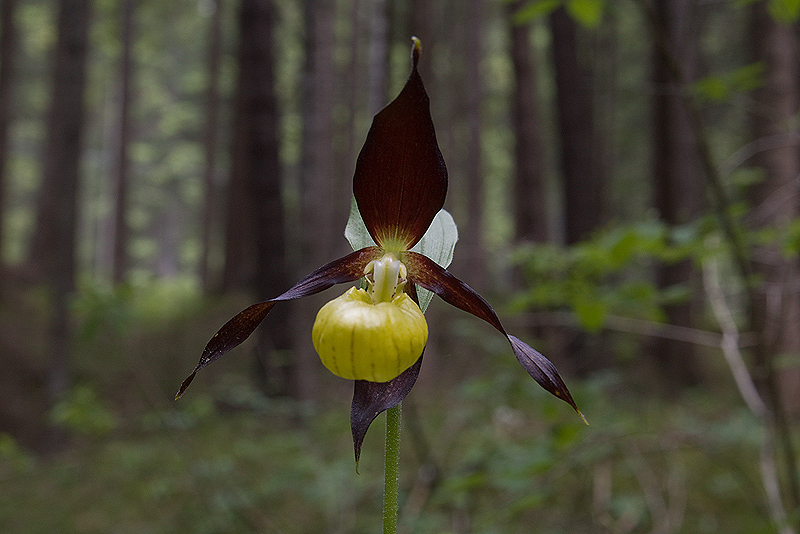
[484,452]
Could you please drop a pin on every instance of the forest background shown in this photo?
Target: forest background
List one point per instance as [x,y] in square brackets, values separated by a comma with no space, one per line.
[625,178]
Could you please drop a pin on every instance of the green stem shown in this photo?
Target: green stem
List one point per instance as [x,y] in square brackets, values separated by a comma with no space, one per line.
[391,487]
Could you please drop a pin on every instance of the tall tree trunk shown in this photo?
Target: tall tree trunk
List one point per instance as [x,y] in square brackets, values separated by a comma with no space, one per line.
[8,46]
[378,55]
[255,231]
[54,240]
[580,165]
[120,256]
[776,310]
[529,203]
[355,89]
[318,134]
[678,192]
[529,196]
[322,223]
[422,25]
[775,198]
[210,142]
[474,246]
[239,270]
[582,181]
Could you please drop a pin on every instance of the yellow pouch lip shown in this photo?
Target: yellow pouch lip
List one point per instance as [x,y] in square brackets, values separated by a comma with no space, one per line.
[359,340]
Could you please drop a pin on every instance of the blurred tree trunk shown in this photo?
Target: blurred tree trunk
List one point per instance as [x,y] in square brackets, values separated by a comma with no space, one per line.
[775,198]
[678,184]
[582,181]
[255,248]
[322,216]
[53,249]
[353,93]
[580,167]
[378,55]
[474,246]
[776,309]
[318,158]
[8,46]
[421,22]
[210,142]
[120,256]
[241,226]
[529,198]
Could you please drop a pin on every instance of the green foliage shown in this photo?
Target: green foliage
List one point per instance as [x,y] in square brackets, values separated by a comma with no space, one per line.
[14,459]
[103,310]
[83,412]
[507,458]
[608,274]
[535,9]
[506,454]
[589,13]
[785,11]
[720,88]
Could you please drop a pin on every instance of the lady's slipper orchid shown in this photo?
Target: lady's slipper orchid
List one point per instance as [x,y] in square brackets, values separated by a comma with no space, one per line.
[376,336]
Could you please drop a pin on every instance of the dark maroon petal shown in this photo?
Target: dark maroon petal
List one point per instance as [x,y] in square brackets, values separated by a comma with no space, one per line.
[341,271]
[426,273]
[232,334]
[400,180]
[372,398]
[542,370]
[239,328]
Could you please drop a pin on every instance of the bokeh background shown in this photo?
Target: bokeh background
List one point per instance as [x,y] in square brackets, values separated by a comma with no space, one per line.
[625,179]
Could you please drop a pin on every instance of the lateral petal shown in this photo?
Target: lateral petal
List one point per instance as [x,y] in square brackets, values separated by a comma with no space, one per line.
[346,269]
[427,274]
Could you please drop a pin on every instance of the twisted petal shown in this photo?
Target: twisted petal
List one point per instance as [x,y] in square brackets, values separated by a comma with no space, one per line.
[234,332]
[400,180]
[426,273]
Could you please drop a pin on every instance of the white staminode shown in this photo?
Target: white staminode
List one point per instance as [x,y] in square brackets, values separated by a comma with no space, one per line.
[386,278]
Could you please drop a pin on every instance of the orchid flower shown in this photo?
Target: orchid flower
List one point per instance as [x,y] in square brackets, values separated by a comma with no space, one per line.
[376,336]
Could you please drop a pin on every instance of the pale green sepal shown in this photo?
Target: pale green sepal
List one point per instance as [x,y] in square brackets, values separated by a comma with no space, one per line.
[355,231]
[438,243]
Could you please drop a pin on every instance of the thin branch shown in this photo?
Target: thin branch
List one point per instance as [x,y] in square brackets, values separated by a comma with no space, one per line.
[631,325]
[748,391]
[730,342]
[740,253]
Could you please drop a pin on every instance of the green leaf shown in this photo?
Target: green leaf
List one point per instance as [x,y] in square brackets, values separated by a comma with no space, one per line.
[785,11]
[589,13]
[533,10]
[712,88]
[82,411]
[720,87]
[438,243]
[591,313]
[745,79]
